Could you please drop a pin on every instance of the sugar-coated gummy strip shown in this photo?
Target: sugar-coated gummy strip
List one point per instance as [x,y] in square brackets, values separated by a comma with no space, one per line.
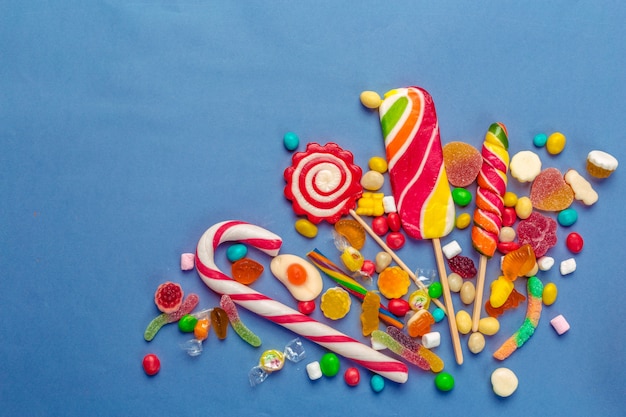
[190,302]
[246,334]
[336,274]
[279,313]
[533,313]
[434,362]
[378,336]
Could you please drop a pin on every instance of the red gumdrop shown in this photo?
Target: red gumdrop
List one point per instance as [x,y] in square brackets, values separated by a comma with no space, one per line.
[398,307]
[395,240]
[151,364]
[380,225]
[306,307]
[506,247]
[352,376]
[368,268]
[574,242]
[508,216]
[463,266]
[393,219]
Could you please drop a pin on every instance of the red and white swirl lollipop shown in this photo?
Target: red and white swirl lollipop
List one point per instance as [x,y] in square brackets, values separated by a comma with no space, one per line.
[323,183]
[276,312]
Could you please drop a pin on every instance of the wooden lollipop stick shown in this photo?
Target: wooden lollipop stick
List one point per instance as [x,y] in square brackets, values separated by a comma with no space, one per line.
[395,257]
[480,287]
[443,278]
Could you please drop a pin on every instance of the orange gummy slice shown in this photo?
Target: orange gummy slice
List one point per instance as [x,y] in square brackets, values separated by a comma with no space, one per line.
[246,271]
[518,262]
[352,231]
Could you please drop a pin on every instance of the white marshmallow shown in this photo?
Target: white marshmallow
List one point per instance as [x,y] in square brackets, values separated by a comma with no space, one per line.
[545,263]
[389,204]
[431,340]
[560,324]
[568,266]
[314,371]
[451,249]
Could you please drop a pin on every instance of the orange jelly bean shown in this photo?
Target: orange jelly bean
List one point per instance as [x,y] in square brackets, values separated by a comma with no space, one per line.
[246,271]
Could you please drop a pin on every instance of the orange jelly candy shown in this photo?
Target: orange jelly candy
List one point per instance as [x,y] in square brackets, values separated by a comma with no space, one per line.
[352,231]
[201,329]
[519,262]
[550,192]
[514,300]
[462,162]
[419,323]
[246,271]
[393,282]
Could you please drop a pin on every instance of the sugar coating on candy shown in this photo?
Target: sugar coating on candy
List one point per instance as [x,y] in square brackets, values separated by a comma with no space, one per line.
[525,166]
[462,265]
[246,334]
[539,232]
[550,192]
[462,162]
[323,183]
[583,191]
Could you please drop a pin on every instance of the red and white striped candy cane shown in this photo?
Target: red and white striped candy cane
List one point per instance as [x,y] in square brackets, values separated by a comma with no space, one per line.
[279,313]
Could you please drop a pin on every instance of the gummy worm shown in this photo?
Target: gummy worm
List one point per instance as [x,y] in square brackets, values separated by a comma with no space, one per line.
[335,273]
[434,361]
[246,334]
[398,348]
[526,330]
[191,301]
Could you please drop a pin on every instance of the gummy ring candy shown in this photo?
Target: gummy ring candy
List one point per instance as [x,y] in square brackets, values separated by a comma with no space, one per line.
[323,183]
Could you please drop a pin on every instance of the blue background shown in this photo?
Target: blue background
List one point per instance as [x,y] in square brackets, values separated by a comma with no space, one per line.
[127,128]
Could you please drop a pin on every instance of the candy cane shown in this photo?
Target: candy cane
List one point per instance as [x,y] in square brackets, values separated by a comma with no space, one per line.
[276,312]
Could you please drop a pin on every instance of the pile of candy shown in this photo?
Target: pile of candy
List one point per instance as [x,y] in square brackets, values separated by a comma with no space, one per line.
[324,184]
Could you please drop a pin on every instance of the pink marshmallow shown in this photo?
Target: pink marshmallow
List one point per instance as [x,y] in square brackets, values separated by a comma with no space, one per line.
[560,324]
[187,261]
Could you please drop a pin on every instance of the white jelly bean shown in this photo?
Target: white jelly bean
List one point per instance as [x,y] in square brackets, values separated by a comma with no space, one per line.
[504,382]
[476,342]
[507,234]
[468,292]
[455,282]
[463,322]
[372,180]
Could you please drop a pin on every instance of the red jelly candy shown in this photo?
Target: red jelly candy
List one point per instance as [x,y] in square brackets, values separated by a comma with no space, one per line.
[539,232]
[506,247]
[352,377]
[398,307]
[393,219]
[151,364]
[380,225]
[463,266]
[508,216]
[395,240]
[574,242]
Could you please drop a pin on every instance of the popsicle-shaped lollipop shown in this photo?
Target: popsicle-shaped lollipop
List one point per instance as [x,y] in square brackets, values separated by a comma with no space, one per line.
[489,205]
[418,178]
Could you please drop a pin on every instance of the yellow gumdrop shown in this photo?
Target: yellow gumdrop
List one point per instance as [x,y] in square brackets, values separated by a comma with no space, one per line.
[463,322]
[378,164]
[306,228]
[500,291]
[555,143]
[463,220]
[370,99]
[524,207]
[510,199]
[488,326]
[335,303]
[550,293]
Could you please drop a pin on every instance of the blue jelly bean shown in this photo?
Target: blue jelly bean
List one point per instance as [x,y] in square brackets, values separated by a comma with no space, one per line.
[377,383]
[236,252]
[567,217]
[438,314]
[540,140]
[291,141]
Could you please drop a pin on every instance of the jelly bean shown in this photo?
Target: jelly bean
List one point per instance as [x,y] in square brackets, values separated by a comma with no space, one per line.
[393,282]
[398,307]
[438,314]
[377,383]
[201,329]
[380,225]
[219,322]
[444,381]
[246,271]
[393,219]
[476,342]
[419,299]
[461,196]
[187,323]
[378,164]
[504,382]
[368,269]
[555,143]
[306,307]
[574,242]
[509,216]
[291,141]
[524,207]
[455,282]
[567,217]
[463,220]
[151,364]
[236,252]
[352,376]
[306,228]
[549,294]
[395,240]
[488,326]
[506,247]
[372,180]
[463,322]
[468,292]
[540,140]
[329,364]
[335,303]
[507,234]
[510,199]
[370,99]
[383,260]
[435,290]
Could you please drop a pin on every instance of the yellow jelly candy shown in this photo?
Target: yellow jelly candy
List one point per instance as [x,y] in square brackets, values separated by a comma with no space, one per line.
[352,231]
[371,204]
[335,303]
[463,220]
[369,313]
[352,259]
[549,293]
[393,282]
[555,143]
[510,199]
[378,164]
[419,300]
[500,291]
[306,228]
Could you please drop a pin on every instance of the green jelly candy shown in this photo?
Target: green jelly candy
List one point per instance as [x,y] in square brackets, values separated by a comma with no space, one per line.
[567,217]
[329,364]
[435,290]
[187,323]
[461,197]
[444,381]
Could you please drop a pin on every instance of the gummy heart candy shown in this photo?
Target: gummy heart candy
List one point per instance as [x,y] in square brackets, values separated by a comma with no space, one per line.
[462,162]
[539,232]
[550,192]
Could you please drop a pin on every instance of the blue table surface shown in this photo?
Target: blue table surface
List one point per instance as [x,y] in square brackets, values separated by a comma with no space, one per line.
[127,128]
